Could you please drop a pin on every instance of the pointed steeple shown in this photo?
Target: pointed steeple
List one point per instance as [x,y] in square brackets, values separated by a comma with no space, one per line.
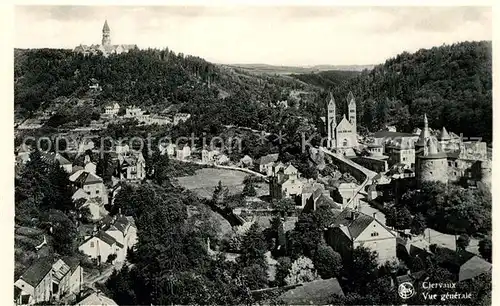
[443,135]
[424,134]
[350,98]
[331,100]
[105,28]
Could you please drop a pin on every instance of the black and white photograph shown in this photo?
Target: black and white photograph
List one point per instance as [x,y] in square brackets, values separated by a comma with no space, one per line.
[252,155]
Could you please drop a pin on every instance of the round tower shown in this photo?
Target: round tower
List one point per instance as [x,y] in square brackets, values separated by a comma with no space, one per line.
[432,165]
[106,34]
[486,172]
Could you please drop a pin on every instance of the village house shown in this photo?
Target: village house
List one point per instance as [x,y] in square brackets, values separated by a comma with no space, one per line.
[91,184]
[352,229]
[285,183]
[35,284]
[112,110]
[181,117]
[310,191]
[100,246]
[265,162]
[67,277]
[208,157]
[116,236]
[246,162]
[51,158]
[184,153]
[344,193]
[132,166]
[169,149]
[133,112]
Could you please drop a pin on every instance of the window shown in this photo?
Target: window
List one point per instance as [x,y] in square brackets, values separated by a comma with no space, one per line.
[92,244]
[97,192]
[374,234]
[456,164]
[430,173]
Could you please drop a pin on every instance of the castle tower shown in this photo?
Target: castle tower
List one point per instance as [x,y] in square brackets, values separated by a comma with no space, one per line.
[432,165]
[106,34]
[331,121]
[424,136]
[351,106]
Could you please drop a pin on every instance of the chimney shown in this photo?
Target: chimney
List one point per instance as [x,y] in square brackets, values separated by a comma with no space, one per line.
[94,231]
[374,215]
[353,215]
[87,159]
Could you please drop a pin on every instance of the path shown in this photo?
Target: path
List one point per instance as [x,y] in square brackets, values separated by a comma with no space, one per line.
[92,279]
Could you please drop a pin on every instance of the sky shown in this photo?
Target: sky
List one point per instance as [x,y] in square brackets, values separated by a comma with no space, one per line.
[286,35]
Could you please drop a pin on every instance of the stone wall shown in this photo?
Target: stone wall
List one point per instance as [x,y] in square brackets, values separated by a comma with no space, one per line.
[432,170]
[377,165]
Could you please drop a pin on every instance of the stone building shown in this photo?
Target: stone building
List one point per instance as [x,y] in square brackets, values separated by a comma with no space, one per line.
[106,48]
[342,136]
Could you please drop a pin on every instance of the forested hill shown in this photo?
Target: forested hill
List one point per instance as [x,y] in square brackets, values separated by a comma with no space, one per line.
[327,79]
[451,83]
[148,78]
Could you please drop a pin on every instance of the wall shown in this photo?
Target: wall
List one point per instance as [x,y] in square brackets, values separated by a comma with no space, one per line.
[339,242]
[432,170]
[75,280]
[373,164]
[44,289]
[384,244]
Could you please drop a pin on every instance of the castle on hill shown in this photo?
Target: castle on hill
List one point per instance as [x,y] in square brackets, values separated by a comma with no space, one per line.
[342,137]
[106,48]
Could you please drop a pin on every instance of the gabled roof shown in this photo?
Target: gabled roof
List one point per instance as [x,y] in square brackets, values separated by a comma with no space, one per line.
[267,159]
[87,178]
[60,269]
[344,122]
[106,238]
[72,262]
[474,267]
[97,299]
[36,272]
[358,225]
[318,292]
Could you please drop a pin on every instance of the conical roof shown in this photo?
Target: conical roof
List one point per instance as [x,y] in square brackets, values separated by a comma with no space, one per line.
[443,135]
[432,146]
[105,28]
[350,97]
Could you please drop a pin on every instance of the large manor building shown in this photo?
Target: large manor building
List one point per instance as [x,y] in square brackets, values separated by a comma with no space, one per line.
[105,48]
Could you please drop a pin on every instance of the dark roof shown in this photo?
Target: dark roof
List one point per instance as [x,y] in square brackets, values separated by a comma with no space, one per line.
[389,134]
[270,158]
[475,266]
[72,262]
[356,226]
[318,292]
[87,178]
[36,272]
[106,238]
[439,155]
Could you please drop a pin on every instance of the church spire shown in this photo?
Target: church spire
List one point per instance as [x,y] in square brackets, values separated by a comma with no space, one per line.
[105,28]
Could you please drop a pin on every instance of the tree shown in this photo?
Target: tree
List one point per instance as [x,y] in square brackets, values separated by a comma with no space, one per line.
[253,247]
[284,206]
[328,263]
[361,269]
[220,194]
[249,190]
[301,271]
[463,242]
[282,268]
[485,248]
[399,218]
[418,224]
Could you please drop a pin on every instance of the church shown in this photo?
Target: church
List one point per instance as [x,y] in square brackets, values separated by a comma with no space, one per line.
[106,48]
[342,137]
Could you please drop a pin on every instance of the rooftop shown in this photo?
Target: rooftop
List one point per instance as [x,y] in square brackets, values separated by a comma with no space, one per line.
[36,272]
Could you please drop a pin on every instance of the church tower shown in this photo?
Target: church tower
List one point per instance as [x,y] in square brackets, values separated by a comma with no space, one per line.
[331,121]
[351,106]
[106,34]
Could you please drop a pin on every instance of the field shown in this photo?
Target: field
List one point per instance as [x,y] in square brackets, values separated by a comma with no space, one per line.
[205,180]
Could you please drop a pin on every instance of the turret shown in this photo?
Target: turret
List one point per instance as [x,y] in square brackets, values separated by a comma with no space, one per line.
[106,34]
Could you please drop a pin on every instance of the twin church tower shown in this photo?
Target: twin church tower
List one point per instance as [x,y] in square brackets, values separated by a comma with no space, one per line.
[342,136]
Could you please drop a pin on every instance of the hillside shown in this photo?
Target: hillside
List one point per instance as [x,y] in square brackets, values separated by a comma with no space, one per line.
[284,70]
[147,78]
[451,83]
[327,79]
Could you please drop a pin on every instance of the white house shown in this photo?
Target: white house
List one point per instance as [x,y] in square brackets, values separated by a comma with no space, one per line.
[265,162]
[112,110]
[100,246]
[35,284]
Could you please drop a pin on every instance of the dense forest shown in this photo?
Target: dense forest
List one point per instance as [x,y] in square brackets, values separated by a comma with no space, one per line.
[327,79]
[451,83]
[141,77]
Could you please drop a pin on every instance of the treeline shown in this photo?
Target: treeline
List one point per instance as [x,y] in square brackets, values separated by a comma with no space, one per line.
[327,79]
[452,84]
